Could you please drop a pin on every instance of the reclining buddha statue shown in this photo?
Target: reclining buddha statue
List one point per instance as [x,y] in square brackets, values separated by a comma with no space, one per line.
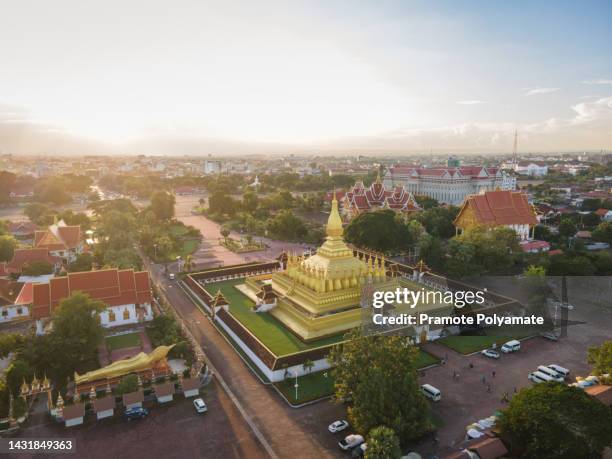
[139,362]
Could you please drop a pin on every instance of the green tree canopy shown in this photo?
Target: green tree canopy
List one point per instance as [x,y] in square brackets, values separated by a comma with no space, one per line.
[381,231]
[567,227]
[285,225]
[553,420]
[378,376]
[601,358]
[8,244]
[162,205]
[37,268]
[603,232]
[382,444]
[129,383]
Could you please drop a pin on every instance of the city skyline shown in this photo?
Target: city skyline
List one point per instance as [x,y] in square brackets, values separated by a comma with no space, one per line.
[232,78]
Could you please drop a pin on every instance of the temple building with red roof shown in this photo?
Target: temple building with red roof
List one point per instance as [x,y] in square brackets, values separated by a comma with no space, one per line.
[448,185]
[360,199]
[125,293]
[15,300]
[61,240]
[23,257]
[498,208]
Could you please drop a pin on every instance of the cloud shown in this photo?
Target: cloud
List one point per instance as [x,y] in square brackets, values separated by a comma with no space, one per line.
[536,91]
[598,81]
[471,102]
[597,110]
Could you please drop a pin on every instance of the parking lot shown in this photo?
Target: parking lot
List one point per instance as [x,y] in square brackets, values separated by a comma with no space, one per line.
[171,431]
[467,399]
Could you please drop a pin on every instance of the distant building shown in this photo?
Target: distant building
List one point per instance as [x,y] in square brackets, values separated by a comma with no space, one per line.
[213,166]
[22,230]
[125,293]
[448,185]
[23,257]
[15,300]
[531,168]
[498,208]
[360,199]
[61,240]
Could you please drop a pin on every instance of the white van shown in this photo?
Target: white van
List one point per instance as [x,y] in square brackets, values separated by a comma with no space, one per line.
[550,372]
[538,377]
[511,346]
[431,392]
[559,369]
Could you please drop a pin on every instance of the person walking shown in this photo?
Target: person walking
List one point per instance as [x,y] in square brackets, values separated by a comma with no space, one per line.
[493,373]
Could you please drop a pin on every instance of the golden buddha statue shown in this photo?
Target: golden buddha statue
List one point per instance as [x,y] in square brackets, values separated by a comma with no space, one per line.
[139,362]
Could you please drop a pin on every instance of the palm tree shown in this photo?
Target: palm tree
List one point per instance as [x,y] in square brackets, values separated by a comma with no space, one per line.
[188,263]
[308,365]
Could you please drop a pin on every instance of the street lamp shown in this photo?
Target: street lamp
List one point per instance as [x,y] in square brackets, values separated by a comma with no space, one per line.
[155,251]
[296,385]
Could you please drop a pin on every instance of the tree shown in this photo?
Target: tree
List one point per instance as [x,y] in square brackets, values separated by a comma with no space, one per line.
[162,205]
[189,263]
[17,372]
[382,231]
[308,365]
[382,444]
[83,262]
[9,342]
[163,330]
[567,227]
[77,330]
[37,268]
[36,212]
[250,201]
[129,383]
[285,225]
[7,180]
[221,203]
[542,233]
[426,202]
[601,358]
[603,232]
[553,420]
[378,376]
[225,232]
[8,244]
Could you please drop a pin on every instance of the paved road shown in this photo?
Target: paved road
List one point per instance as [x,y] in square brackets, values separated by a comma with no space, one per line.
[292,433]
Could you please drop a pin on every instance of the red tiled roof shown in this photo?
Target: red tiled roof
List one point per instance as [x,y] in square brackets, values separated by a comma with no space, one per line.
[22,227]
[9,291]
[24,256]
[501,208]
[74,411]
[133,397]
[161,390]
[58,237]
[602,393]
[26,295]
[601,212]
[71,235]
[489,448]
[376,196]
[111,286]
[104,403]
[555,252]
[534,245]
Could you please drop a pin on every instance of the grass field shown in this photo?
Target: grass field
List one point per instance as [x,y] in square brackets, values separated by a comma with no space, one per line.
[267,329]
[123,341]
[314,386]
[495,335]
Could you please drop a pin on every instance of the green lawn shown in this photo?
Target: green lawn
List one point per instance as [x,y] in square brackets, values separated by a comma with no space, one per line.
[123,341]
[267,329]
[314,386]
[497,335]
[310,387]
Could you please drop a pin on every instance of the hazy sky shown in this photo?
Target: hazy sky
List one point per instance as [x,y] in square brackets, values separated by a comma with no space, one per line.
[234,76]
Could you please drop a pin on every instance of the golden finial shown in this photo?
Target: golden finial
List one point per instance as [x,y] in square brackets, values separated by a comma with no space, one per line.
[334,222]
[60,401]
[24,388]
[46,384]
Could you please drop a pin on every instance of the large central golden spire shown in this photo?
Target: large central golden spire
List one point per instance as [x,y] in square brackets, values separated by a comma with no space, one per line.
[334,222]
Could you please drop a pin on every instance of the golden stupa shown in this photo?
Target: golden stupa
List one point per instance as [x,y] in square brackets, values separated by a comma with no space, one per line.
[320,295]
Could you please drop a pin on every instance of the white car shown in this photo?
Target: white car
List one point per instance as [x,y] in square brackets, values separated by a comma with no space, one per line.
[350,442]
[337,426]
[490,353]
[200,406]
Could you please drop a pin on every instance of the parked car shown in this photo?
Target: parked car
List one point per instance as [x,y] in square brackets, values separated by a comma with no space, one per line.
[431,392]
[350,442]
[338,426]
[172,276]
[549,335]
[136,413]
[552,373]
[200,406]
[538,377]
[490,353]
[559,369]
[511,346]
